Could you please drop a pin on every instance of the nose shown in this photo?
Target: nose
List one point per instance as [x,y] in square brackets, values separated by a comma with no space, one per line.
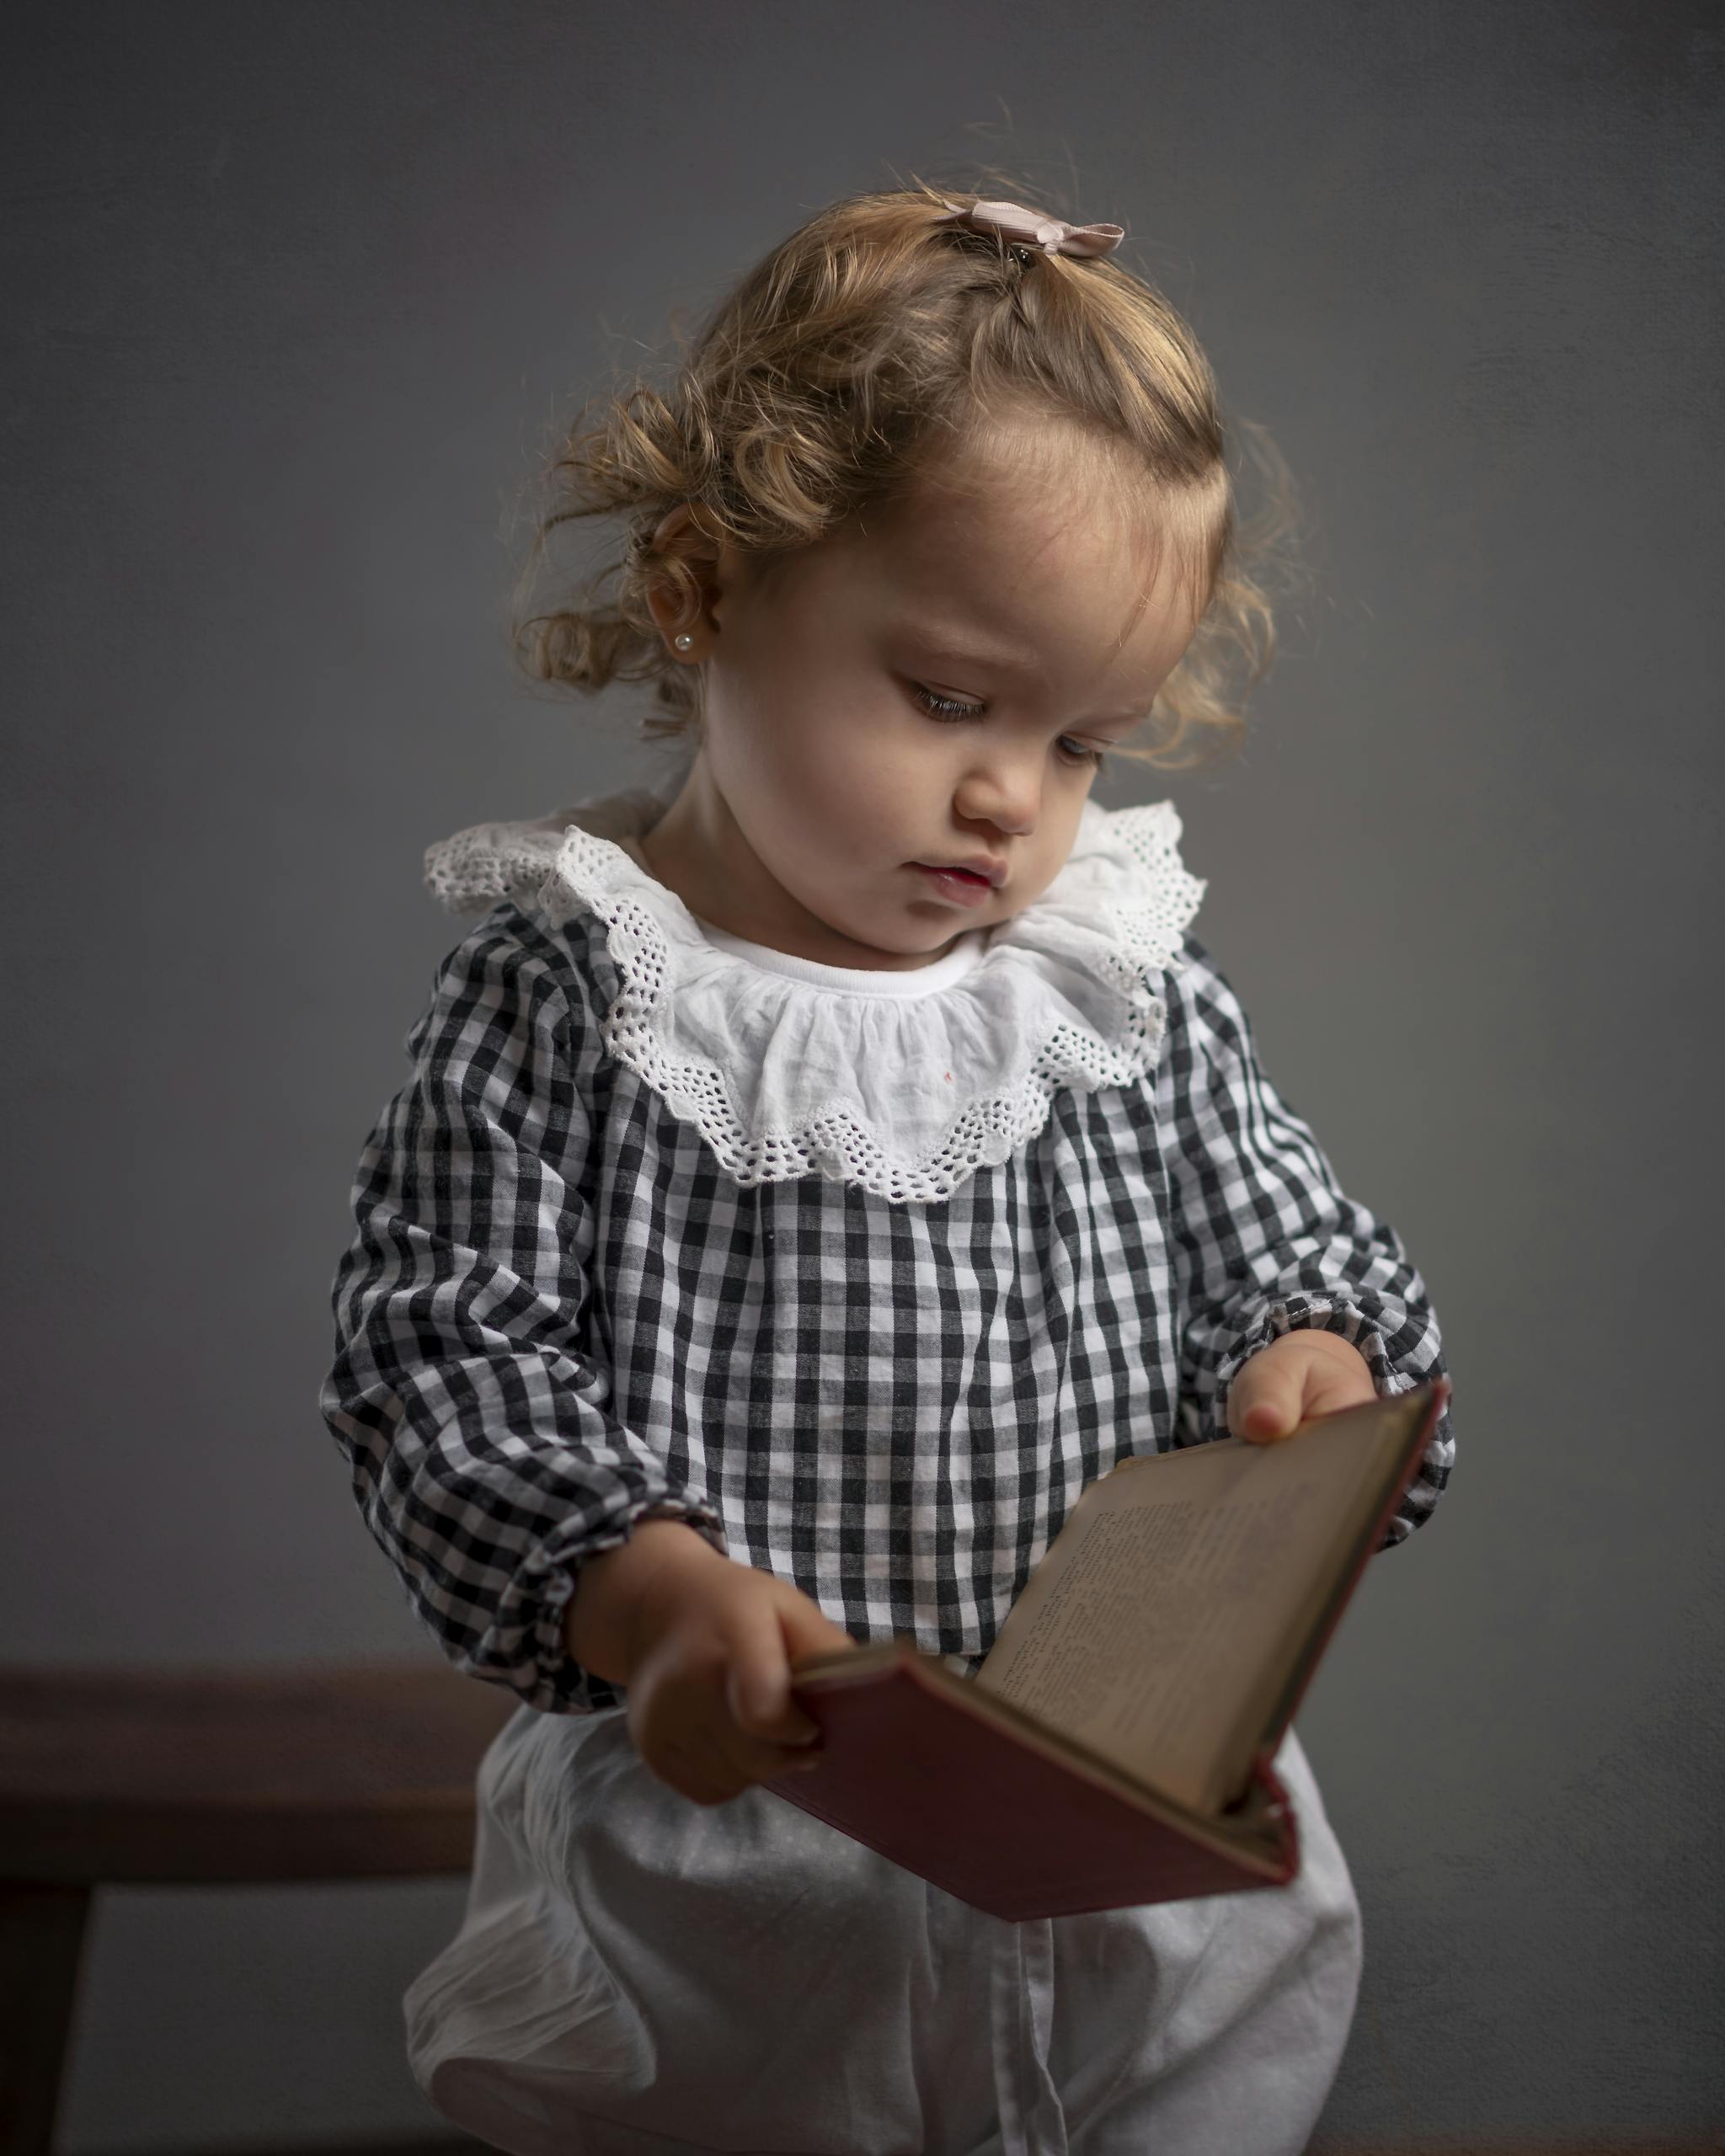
[1006,791]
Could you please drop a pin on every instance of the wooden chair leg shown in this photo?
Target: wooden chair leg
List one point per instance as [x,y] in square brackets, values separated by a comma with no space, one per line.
[41,1939]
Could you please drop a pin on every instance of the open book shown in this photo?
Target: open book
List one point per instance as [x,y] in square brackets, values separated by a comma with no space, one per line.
[1115,1748]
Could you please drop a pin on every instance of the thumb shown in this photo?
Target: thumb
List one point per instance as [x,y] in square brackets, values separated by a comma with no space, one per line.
[757,1687]
[807,1628]
[1264,1399]
[757,1684]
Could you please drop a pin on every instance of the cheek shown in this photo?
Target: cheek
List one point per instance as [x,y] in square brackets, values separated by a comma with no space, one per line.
[1057,837]
[850,773]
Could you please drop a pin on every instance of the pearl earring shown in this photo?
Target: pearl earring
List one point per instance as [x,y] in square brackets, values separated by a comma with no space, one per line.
[685,642]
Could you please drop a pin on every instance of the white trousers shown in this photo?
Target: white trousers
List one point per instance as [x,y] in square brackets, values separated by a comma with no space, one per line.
[638,1975]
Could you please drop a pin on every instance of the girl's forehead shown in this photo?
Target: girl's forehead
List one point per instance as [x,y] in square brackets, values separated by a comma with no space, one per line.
[1021,520]
[1048,488]
[1056,562]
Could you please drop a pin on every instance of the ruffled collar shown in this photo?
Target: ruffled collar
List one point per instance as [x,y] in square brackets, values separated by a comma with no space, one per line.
[787,1074]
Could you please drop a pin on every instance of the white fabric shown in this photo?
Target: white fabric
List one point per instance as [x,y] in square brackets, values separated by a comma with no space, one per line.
[627,1955]
[856,980]
[903,1094]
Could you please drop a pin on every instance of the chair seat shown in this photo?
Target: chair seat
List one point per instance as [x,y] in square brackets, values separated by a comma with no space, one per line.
[115,1775]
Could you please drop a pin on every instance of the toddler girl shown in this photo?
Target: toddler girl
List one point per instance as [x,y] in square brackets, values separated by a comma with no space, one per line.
[812,1177]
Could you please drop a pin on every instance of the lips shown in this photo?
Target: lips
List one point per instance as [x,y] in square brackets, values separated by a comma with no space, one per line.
[985,870]
[960,886]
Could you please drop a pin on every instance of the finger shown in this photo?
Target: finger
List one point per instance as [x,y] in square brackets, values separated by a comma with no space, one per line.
[685,1734]
[806,1627]
[756,1761]
[693,1764]
[807,1631]
[752,1759]
[1333,1385]
[757,1678]
[1265,1400]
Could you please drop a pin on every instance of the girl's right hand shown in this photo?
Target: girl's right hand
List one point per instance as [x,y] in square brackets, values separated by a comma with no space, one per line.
[704,1647]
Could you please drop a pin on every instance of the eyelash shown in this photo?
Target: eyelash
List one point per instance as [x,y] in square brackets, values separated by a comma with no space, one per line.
[950,713]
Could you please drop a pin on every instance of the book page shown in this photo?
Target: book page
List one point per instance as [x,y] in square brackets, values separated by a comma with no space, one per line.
[1165,1619]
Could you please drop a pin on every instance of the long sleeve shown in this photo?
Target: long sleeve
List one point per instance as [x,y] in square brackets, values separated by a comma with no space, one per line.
[1263,1241]
[485,1458]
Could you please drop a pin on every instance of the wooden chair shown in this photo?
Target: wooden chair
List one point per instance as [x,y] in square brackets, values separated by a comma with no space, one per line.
[207,1777]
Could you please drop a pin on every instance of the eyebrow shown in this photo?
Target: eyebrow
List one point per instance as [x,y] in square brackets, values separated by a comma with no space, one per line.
[963,643]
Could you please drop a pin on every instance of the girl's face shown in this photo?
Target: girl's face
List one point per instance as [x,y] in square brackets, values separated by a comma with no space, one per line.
[933,690]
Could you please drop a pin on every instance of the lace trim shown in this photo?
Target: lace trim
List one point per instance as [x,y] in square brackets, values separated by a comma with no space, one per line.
[592,873]
[472,871]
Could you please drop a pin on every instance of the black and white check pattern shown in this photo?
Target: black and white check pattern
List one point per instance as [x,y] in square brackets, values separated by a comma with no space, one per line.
[559,1315]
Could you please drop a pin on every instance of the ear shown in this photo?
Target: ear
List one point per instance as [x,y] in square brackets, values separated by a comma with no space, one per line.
[682,535]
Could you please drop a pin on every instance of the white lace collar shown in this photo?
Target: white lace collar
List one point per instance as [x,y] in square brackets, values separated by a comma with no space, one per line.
[785,1074]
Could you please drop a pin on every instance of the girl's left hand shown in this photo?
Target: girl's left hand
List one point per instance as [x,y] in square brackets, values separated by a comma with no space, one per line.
[1301,1374]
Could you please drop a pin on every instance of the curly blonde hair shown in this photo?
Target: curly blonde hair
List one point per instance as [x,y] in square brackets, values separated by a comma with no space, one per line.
[876,337]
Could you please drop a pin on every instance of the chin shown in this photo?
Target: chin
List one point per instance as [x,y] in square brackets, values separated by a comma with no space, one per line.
[925,948]
[907,944]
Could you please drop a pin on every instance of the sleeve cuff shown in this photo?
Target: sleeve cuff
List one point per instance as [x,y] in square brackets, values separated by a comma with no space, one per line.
[555,1683]
[1309,1313]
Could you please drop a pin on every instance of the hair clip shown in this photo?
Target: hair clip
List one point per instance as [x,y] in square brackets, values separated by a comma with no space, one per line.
[1008,221]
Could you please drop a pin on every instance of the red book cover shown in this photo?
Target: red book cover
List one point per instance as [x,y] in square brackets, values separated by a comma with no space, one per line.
[991,1802]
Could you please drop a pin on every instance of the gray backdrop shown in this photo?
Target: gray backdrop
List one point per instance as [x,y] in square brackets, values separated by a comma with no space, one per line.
[295,294]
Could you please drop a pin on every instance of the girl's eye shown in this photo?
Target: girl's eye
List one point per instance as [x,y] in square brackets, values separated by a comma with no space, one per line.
[946,708]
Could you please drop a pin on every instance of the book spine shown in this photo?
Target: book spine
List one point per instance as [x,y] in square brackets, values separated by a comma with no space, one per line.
[1287,1820]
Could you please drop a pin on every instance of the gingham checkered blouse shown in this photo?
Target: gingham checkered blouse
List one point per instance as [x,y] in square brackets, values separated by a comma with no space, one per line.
[865,1278]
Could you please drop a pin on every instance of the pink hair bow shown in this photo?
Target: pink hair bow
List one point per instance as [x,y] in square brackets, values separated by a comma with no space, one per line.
[1030,228]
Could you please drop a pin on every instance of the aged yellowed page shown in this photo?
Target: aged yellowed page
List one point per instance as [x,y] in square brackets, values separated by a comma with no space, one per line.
[1162,1624]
